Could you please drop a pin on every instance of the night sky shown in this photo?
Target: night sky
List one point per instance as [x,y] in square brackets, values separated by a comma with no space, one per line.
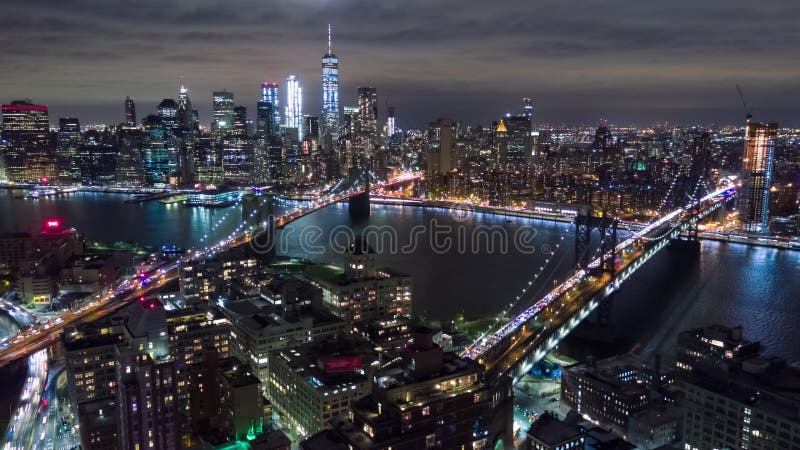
[628,61]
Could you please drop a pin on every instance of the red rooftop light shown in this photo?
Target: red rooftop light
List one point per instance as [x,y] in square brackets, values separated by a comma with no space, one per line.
[24,108]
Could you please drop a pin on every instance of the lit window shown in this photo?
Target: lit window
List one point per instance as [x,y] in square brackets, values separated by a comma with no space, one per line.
[430,441]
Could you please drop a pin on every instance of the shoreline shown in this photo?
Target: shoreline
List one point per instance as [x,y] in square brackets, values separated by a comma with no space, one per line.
[767,241]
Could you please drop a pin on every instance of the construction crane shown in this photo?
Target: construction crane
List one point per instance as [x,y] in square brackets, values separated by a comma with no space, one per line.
[747,109]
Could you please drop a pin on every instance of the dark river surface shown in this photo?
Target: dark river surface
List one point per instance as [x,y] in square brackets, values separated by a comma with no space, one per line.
[454,271]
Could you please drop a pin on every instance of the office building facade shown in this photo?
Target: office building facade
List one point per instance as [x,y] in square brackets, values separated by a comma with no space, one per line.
[25,142]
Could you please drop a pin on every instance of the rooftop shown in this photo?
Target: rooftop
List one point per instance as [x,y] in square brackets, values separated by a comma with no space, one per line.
[324,440]
[267,441]
[609,371]
[236,373]
[93,334]
[331,363]
[719,335]
[336,276]
[549,430]
[258,316]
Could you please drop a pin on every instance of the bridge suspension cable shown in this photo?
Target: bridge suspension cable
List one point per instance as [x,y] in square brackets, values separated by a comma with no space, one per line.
[477,350]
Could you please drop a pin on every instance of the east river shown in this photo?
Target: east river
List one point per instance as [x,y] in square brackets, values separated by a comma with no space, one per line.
[455,271]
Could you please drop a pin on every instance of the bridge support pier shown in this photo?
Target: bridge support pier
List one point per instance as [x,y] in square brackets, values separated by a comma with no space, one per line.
[605,311]
[687,246]
[358,205]
[689,242]
[260,210]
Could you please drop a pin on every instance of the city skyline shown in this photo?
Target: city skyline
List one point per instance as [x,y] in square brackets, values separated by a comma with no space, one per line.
[578,65]
[355,225]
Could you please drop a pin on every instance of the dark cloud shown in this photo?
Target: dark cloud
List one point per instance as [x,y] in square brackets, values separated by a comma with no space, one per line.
[627,60]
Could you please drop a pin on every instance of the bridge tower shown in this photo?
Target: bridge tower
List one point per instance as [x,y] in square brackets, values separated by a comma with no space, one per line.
[358,205]
[260,206]
[262,209]
[585,224]
[691,231]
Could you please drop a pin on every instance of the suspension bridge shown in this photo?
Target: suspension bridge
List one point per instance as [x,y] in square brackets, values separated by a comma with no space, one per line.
[516,345]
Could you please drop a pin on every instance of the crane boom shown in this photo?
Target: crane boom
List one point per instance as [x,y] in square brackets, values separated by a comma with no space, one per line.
[747,113]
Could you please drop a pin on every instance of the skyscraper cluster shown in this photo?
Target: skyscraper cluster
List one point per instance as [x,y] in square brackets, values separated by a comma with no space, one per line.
[509,162]
[280,145]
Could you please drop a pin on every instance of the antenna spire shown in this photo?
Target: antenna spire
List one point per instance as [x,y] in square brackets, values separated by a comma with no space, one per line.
[329,39]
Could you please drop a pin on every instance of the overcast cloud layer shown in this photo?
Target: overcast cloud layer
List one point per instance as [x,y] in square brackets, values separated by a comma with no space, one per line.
[630,61]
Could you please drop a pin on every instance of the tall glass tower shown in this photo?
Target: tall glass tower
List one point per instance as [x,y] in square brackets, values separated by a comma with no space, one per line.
[130,112]
[294,105]
[527,107]
[753,201]
[223,111]
[367,119]
[269,94]
[185,119]
[330,92]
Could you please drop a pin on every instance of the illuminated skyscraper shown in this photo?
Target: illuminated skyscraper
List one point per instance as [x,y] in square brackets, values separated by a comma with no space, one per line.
[155,152]
[223,111]
[518,147]
[330,92]
[237,149]
[367,119]
[440,140]
[294,105]
[185,115]
[348,138]
[349,127]
[390,128]
[25,141]
[268,154]
[130,112]
[67,145]
[753,203]
[266,127]
[270,94]
[168,112]
[311,128]
[527,107]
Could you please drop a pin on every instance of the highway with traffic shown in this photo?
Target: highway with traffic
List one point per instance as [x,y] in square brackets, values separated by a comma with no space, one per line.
[21,427]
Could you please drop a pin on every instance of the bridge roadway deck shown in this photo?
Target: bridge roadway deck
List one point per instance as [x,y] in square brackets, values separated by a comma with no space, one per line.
[318,204]
[529,336]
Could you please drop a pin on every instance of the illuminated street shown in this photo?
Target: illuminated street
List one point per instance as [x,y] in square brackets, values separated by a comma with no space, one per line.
[21,431]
